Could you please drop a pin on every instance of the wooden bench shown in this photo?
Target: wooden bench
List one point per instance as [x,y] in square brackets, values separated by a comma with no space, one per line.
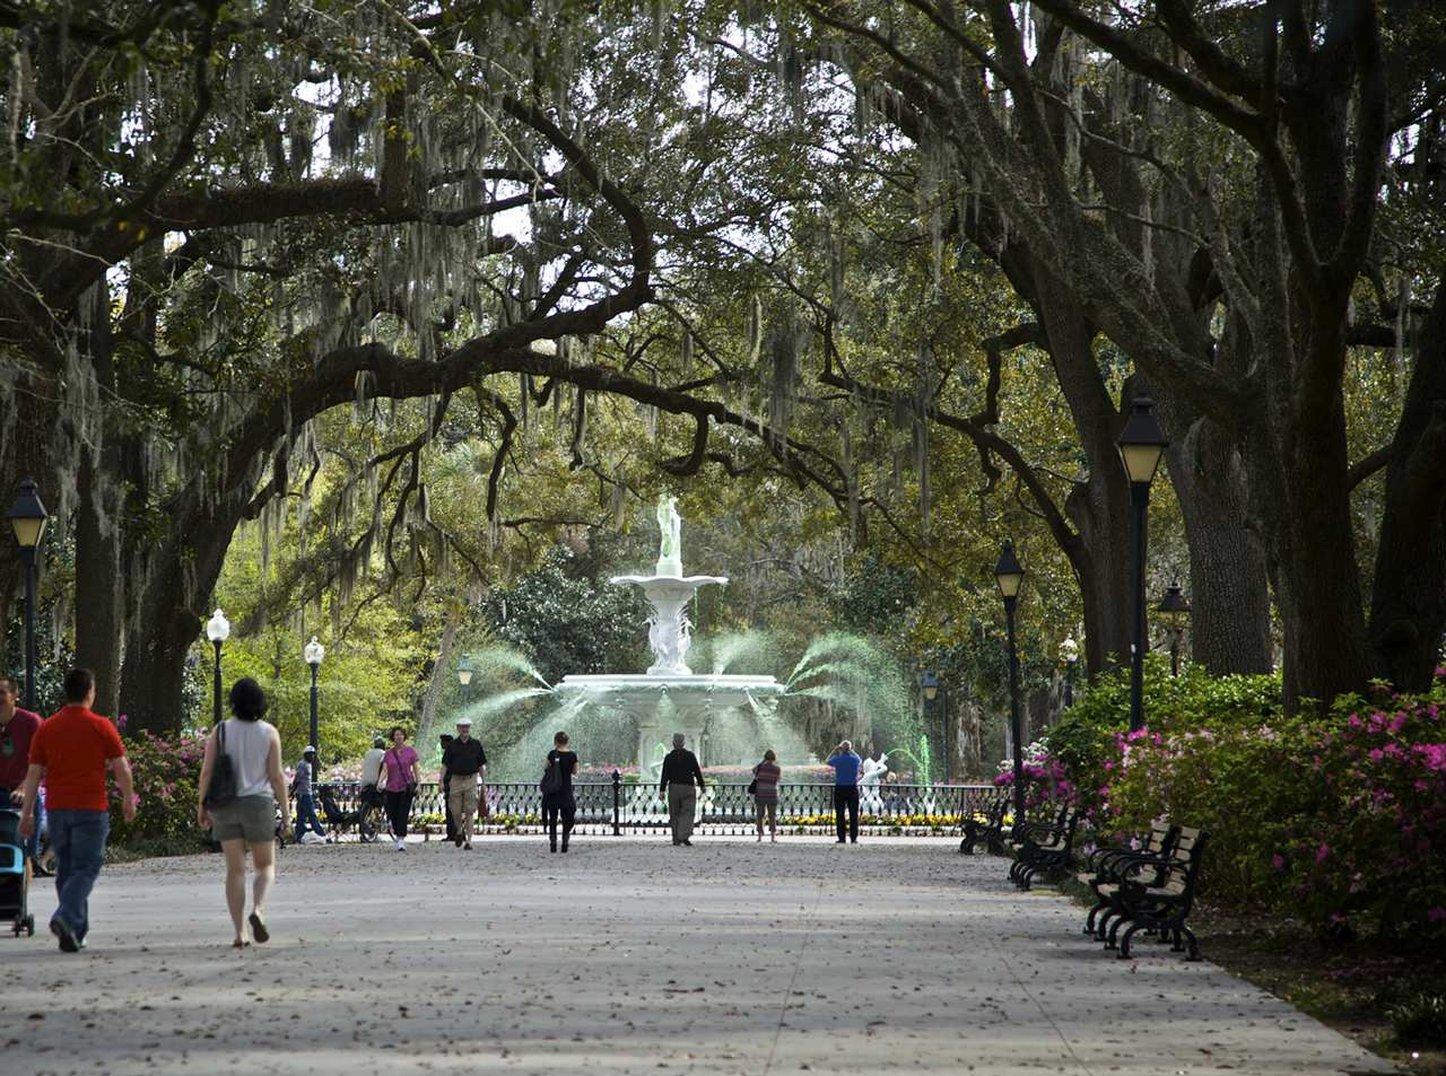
[1039,848]
[1108,865]
[989,829]
[1158,899]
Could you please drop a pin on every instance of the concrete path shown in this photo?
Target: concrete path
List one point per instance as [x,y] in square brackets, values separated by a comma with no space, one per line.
[626,956]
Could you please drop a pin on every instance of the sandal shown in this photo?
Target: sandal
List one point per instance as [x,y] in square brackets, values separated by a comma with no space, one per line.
[258,930]
[239,944]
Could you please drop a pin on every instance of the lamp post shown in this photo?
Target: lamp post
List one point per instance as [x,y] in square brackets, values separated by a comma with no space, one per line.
[1141,444]
[28,518]
[464,674]
[1069,651]
[1009,576]
[313,652]
[930,687]
[1174,610]
[218,630]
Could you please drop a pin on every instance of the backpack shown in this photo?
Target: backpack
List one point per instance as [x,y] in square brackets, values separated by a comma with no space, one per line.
[551,778]
[222,789]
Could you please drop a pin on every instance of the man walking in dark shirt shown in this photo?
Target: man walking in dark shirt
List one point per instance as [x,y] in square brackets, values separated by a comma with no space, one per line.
[678,785]
[463,763]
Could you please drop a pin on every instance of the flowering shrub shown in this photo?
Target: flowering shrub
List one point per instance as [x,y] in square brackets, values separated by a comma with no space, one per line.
[1046,777]
[1339,818]
[166,770]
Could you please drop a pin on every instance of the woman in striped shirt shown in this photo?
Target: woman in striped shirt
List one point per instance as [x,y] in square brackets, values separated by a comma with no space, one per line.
[765,793]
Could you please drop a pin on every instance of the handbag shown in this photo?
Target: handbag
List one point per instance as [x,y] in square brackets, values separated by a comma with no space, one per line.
[222,789]
[753,787]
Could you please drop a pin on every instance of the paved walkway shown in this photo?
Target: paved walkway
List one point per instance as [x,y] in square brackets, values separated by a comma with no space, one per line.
[626,956]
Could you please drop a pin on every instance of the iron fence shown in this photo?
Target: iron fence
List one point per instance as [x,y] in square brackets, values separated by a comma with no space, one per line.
[618,807]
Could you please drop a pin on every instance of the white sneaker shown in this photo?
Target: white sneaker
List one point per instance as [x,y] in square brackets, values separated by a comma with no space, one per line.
[401,845]
[312,838]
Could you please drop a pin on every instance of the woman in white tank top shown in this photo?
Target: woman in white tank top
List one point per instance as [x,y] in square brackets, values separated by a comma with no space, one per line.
[249,819]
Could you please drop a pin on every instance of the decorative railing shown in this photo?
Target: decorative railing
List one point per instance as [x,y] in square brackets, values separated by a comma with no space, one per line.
[617,807]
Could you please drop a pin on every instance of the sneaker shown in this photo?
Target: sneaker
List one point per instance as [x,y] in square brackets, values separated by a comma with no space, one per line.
[312,838]
[467,846]
[68,941]
[401,845]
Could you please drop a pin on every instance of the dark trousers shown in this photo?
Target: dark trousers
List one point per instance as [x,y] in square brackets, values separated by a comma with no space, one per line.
[559,805]
[846,800]
[447,810]
[78,838]
[399,810]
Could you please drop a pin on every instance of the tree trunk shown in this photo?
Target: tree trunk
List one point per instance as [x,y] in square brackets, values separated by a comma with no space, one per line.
[1408,598]
[438,681]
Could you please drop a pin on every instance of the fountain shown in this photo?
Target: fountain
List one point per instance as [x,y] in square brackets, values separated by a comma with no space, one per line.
[670,697]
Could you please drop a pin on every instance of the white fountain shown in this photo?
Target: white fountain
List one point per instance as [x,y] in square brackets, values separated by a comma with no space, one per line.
[670,697]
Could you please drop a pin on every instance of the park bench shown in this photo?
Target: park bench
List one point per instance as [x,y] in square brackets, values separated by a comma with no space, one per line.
[1158,900]
[989,829]
[1039,847]
[1108,865]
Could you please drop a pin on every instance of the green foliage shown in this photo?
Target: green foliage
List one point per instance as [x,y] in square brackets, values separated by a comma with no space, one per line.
[567,619]
[1420,1020]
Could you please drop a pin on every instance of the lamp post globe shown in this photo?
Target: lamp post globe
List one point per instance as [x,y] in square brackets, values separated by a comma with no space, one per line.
[1069,651]
[929,685]
[27,518]
[314,652]
[218,630]
[1174,611]
[1141,444]
[464,674]
[1009,577]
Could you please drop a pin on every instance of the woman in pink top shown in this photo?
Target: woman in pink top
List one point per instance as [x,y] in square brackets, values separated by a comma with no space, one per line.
[398,779]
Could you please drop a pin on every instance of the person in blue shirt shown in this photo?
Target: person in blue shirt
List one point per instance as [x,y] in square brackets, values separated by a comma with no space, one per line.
[846,765]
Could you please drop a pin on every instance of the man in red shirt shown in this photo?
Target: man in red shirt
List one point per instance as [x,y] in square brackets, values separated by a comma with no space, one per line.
[71,752]
[17,726]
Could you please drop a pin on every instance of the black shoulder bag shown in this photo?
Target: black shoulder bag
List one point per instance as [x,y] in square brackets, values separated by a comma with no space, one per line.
[551,777]
[222,789]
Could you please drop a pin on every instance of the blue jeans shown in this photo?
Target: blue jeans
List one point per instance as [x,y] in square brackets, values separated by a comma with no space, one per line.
[306,816]
[78,840]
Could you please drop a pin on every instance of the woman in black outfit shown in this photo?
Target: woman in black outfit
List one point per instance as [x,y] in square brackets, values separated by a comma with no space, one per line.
[557,799]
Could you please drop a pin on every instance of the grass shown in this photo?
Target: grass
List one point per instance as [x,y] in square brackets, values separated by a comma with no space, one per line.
[1361,988]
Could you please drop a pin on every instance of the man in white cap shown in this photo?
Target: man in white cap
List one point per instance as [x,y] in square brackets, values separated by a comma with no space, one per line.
[308,827]
[463,765]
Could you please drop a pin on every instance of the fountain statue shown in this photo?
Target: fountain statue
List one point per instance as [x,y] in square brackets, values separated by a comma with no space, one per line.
[670,694]
[870,774]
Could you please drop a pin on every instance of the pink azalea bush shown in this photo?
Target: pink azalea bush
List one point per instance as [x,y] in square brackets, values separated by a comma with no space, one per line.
[1339,818]
[166,770]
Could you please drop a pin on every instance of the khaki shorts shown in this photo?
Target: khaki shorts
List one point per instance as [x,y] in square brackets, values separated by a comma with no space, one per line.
[248,818]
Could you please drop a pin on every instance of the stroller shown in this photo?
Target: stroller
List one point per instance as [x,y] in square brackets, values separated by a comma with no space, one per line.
[362,818]
[14,877]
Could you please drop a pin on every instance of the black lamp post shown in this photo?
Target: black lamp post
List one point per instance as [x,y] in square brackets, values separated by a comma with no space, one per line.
[1141,444]
[218,630]
[1069,651]
[28,518]
[1174,610]
[931,687]
[313,652]
[1009,576]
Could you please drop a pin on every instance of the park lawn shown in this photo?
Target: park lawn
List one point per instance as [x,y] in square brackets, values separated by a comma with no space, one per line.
[1349,986]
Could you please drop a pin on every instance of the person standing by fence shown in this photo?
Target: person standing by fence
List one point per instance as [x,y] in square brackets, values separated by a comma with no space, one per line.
[766,776]
[463,764]
[557,796]
[247,819]
[678,784]
[445,740]
[399,779]
[72,752]
[846,765]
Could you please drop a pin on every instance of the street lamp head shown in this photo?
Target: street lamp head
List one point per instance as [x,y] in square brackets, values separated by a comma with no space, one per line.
[1008,573]
[218,628]
[1141,442]
[1069,650]
[313,652]
[929,684]
[1174,610]
[464,674]
[28,515]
